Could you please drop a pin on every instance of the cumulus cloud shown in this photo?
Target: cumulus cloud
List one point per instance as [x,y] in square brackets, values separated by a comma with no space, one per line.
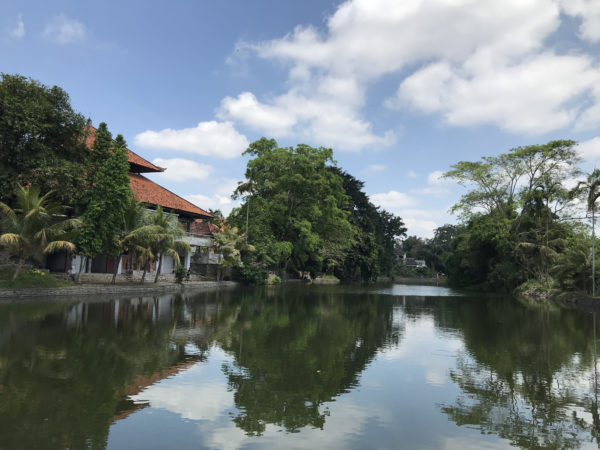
[179,169]
[215,201]
[419,221]
[327,118]
[436,184]
[532,96]
[63,30]
[19,31]
[393,201]
[219,139]
[589,13]
[590,150]
[471,61]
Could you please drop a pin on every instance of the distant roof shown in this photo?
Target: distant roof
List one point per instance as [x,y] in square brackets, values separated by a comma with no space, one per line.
[201,227]
[136,162]
[147,191]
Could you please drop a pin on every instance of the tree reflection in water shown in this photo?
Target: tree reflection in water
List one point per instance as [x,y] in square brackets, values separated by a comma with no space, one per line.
[294,353]
[528,374]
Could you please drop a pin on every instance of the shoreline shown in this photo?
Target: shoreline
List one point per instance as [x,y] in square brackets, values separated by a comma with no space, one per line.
[112,289]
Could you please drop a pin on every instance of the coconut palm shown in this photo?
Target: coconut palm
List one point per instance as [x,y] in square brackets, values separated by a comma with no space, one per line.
[35,227]
[229,245]
[133,216]
[590,189]
[162,237]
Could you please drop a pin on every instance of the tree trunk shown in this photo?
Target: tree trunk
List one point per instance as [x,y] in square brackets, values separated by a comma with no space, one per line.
[143,275]
[18,269]
[114,278]
[593,252]
[158,268]
[81,264]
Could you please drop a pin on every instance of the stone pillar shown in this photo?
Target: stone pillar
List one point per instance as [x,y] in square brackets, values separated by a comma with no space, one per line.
[188,260]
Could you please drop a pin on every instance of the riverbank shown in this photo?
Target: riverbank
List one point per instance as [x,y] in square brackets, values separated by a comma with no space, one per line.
[112,289]
[537,294]
[424,281]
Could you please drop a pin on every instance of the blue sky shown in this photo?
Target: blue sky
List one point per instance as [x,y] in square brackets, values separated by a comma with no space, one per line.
[400,90]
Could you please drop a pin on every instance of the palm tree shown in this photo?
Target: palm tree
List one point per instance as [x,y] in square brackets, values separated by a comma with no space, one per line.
[229,245]
[168,239]
[162,237]
[35,227]
[590,188]
[133,216]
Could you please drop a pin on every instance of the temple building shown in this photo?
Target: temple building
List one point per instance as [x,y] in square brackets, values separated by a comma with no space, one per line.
[192,218]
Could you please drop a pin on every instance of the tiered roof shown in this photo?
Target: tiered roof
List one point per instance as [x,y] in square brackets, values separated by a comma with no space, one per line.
[147,191]
[136,162]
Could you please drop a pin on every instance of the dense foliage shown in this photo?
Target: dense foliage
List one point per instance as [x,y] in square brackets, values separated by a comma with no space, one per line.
[107,198]
[41,141]
[303,214]
[36,226]
[519,222]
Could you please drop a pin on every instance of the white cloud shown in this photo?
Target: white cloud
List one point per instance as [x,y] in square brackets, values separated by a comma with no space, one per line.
[64,30]
[216,201]
[420,222]
[532,96]
[473,61]
[393,201]
[376,168]
[412,174]
[369,38]
[589,13]
[179,169]
[325,117]
[219,139]
[590,149]
[19,31]
[436,184]
[205,401]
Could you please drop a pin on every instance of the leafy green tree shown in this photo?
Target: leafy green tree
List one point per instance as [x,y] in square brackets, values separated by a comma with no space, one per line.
[229,244]
[296,219]
[41,141]
[35,227]
[512,229]
[590,190]
[166,241]
[133,218]
[108,197]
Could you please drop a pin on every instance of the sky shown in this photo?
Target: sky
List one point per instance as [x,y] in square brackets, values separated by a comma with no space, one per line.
[399,89]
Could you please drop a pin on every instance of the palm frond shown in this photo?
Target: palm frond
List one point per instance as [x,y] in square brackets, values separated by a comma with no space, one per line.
[57,246]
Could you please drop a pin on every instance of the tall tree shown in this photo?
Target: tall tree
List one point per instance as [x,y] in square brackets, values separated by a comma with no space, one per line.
[167,240]
[590,190]
[372,251]
[41,141]
[35,227]
[108,197]
[297,218]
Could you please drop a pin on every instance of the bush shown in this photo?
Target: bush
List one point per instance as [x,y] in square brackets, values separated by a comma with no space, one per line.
[274,279]
[33,278]
[180,273]
[254,272]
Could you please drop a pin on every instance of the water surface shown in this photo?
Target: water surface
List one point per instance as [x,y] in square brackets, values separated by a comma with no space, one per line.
[298,367]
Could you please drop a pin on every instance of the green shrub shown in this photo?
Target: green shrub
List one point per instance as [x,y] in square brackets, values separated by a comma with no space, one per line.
[254,273]
[180,273]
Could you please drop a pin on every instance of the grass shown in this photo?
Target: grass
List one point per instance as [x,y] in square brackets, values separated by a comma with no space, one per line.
[29,278]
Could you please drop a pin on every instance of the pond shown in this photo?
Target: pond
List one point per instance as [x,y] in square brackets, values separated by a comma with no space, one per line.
[385,366]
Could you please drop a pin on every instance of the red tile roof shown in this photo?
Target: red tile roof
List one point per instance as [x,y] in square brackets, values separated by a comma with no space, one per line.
[201,227]
[148,191]
[137,163]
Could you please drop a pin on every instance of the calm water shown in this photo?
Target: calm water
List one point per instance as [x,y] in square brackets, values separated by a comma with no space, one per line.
[297,367]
